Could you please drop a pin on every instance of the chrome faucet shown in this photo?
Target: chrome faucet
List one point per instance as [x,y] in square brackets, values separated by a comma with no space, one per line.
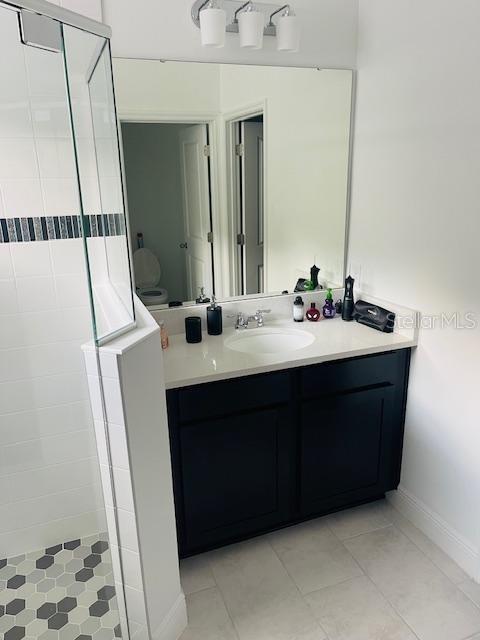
[243,322]
[258,318]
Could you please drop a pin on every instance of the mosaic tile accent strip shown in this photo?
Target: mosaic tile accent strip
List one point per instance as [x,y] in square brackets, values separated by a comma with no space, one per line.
[64,592]
[60,227]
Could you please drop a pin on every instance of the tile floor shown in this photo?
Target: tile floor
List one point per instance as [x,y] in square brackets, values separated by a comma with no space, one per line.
[64,592]
[362,574]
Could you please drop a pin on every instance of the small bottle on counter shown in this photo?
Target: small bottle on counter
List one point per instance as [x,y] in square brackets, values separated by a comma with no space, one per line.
[313,314]
[298,308]
[329,307]
[214,319]
[163,335]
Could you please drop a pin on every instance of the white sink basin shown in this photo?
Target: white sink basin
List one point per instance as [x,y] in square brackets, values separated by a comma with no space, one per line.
[269,340]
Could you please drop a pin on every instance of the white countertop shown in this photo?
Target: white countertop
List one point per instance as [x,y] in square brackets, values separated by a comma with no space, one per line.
[334,339]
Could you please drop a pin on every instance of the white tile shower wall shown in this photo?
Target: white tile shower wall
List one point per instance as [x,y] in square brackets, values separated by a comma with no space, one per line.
[149,451]
[37,169]
[129,372]
[103,382]
[49,475]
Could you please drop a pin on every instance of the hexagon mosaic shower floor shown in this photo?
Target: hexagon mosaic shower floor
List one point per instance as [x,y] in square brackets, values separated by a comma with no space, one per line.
[64,592]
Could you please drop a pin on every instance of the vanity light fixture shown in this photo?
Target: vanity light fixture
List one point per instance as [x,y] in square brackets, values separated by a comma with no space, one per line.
[213,22]
[287,29]
[248,21]
[251,23]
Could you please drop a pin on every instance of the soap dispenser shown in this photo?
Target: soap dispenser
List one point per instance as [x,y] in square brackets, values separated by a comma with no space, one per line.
[329,307]
[298,309]
[214,318]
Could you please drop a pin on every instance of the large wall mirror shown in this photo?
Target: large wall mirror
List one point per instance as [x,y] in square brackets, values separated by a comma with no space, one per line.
[237,177]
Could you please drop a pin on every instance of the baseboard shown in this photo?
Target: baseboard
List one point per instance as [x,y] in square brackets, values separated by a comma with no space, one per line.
[174,623]
[439,531]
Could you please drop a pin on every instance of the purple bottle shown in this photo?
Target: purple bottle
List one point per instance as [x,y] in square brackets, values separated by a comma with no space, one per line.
[329,307]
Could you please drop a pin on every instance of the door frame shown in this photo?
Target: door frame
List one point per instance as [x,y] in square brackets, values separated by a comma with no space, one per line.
[229,121]
[209,119]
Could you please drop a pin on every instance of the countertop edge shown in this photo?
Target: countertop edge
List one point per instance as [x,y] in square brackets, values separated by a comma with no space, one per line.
[289,364]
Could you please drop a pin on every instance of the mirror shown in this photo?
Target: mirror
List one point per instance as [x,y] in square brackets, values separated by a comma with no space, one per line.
[237,177]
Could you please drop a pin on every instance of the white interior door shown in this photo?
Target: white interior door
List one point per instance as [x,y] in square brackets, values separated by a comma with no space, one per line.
[252,206]
[196,208]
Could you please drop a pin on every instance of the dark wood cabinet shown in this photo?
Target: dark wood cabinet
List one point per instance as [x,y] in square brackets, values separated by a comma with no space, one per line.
[342,448]
[253,454]
[234,475]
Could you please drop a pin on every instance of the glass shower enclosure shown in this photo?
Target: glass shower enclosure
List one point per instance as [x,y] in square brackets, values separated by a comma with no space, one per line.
[64,279]
[66,84]
[89,83]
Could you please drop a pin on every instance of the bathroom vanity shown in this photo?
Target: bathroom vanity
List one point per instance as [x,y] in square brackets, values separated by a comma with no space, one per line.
[256,452]
[287,421]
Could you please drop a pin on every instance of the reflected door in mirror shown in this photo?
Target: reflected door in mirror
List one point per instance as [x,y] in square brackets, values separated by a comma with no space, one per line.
[250,237]
[194,163]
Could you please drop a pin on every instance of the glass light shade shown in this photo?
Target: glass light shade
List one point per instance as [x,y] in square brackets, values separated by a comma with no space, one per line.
[213,23]
[250,25]
[288,33]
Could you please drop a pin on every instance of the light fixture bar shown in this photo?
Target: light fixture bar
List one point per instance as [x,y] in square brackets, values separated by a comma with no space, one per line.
[285,6]
[270,29]
[244,6]
[233,26]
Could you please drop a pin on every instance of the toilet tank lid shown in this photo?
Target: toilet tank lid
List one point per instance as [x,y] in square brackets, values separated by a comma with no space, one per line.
[147,268]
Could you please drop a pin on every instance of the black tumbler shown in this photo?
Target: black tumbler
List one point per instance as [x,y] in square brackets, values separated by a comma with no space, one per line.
[193,329]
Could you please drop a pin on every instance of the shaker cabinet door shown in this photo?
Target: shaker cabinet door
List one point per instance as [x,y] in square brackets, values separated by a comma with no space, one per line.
[344,448]
[235,476]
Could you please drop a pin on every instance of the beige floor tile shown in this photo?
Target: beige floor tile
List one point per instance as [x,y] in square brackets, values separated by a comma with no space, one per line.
[261,598]
[431,605]
[356,610]
[430,549]
[471,589]
[208,618]
[353,522]
[195,574]
[313,555]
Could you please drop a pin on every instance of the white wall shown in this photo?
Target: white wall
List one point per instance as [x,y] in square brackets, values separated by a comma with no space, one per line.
[151,87]
[415,228]
[49,479]
[164,30]
[90,8]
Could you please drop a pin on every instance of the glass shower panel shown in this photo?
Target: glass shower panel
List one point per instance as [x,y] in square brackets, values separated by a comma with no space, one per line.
[109,176]
[96,140]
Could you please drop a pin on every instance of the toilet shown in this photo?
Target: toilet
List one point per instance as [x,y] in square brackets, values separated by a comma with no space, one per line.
[147,278]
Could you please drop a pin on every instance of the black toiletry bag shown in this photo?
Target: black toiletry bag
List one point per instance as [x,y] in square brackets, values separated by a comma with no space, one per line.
[374,316]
